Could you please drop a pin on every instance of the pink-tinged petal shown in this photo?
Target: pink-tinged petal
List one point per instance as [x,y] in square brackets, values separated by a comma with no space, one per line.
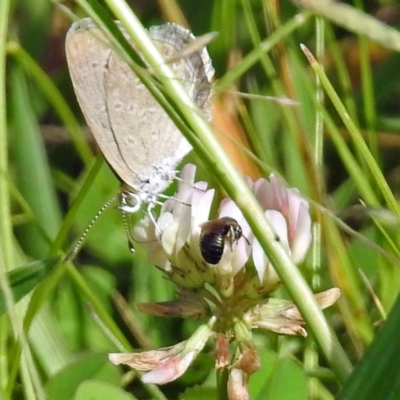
[167,364]
[170,370]
[146,360]
[249,181]
[278,195]
[283,317]
[295,204]
[274,316]
[222,351]
[259,186]
[180,356]
[237,385]
[249,361]
[262,191]
[324,299]
[283,326]
[328,297]
[273,195]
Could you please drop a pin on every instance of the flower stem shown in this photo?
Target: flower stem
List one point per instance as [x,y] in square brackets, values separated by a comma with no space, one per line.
[222,383]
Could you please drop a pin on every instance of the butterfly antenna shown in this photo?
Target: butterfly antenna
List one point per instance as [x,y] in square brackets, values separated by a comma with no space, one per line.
[79,243]
[127,227]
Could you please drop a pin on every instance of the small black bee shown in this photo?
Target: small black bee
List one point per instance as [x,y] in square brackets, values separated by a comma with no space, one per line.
[213,236]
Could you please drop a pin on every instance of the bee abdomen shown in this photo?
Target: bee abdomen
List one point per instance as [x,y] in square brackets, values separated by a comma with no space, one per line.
[212,247]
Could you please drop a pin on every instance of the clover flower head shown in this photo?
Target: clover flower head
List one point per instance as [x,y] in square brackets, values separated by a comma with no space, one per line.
[221,273]
[174,244]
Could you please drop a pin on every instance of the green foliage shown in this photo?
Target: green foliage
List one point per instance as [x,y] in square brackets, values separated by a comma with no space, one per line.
[24,279]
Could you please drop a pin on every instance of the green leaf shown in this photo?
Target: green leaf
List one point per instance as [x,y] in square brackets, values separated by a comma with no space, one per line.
[24,279]
[278,379]
[377,374]
[64,385]
[100,390]
[199,393]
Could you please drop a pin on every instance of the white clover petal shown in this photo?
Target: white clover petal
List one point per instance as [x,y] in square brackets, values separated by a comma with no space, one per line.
[302,240]
[260,260]
[228,208]
[165,220]
[184,221]
[200,211]
[144,231]
[279,224]
[240,256]
[182,198]
[157,257]
[187,174]
[242,249]
[169,235]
